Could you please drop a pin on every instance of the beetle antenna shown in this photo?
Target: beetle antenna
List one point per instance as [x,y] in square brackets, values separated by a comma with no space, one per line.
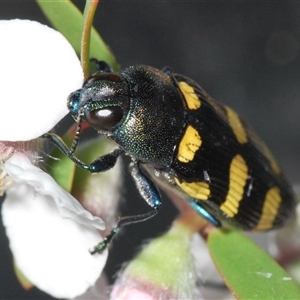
[76,138]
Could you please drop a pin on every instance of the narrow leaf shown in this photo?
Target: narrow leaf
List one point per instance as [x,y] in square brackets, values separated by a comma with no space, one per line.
[248,271]
[67,18]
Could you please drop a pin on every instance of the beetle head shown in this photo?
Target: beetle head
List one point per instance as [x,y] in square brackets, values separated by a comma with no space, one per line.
[102,101]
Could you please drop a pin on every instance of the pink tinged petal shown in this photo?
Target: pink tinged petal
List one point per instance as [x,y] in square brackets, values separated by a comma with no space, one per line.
[284,244]
[39,69]
[23,172]
[130,293]
[52,252]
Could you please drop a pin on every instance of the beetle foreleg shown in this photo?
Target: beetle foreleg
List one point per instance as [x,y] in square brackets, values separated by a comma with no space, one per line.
[101,164]
[61,145]
[105,162]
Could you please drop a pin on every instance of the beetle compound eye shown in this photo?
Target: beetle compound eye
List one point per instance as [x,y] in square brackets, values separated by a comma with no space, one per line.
[105,118]
[73,102]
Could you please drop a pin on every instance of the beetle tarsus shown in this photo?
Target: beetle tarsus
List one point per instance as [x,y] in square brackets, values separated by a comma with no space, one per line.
[106,241]
[123,222]
[101,65]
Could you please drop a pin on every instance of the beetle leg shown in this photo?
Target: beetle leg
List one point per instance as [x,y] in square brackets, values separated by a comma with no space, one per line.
[101,65]
[150,194]
[167,70]
[145,186]
[101,164]
[105,162]
[205,214]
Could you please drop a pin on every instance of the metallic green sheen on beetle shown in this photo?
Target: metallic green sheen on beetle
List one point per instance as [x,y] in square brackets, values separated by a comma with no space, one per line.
[179,138]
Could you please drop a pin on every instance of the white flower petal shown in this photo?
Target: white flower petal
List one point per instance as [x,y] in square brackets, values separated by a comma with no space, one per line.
[52,252]
[39,69]
[23,172]
[98,291]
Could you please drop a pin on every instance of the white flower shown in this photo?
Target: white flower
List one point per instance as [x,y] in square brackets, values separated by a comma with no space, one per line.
[39,69]
[51,251]
[49,231]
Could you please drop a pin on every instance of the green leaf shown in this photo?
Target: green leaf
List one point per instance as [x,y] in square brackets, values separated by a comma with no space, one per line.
[248,271]
[67,18]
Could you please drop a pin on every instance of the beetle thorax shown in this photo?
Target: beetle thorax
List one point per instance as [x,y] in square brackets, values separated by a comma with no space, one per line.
[155,117]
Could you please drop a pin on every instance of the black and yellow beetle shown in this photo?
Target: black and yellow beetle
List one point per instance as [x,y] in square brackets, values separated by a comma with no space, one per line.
[180,138]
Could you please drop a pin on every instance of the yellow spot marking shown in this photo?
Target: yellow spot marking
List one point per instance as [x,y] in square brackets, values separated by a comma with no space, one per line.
[192,100]
[199,190]
[236,125]
[270,209]
[189,144]
[238,173]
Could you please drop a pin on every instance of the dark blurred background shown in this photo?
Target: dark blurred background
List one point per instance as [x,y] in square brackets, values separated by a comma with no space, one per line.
[244,54]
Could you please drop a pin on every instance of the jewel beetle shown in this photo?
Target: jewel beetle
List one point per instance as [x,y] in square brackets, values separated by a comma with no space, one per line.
[179,138]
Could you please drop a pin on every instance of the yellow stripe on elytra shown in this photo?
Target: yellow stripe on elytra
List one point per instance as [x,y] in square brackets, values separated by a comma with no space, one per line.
[236,125]
[192,100]
[238,174]
[198,190]
[189,144]
[270,209]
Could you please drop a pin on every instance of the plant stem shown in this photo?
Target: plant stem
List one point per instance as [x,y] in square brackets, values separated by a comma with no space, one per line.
[88,16]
